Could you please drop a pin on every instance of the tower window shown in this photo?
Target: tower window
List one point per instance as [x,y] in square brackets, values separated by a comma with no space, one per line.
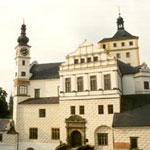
[82,60]
[107,82]
[104,46]
[68,84]
[1,137]
[80,84]
[127,54]
[36,93]
[55,133]
[146,85]
[93,83]
[89,59]
[76,61]
[81,108]
[95,58]
[118,55]
[115,44]
[22,90]
[133,142]
[33,133]
[23,74]
[72,110]
[122,44]
[110,109]
[102,138]
[131,43]
[100,109]
[23,62]
[42,113]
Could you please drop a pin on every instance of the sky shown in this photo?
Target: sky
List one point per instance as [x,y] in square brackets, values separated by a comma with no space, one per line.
[56,28]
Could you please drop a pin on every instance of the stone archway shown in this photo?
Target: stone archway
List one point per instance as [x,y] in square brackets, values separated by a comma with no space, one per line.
[76,139]
[76,133]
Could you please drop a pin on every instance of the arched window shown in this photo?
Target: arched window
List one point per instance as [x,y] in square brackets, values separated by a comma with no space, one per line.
[30,148]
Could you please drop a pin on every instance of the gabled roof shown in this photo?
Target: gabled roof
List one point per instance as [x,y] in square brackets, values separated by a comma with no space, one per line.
[120,35]
[127,69]
[135,111]
[45,71]
[4,124]
[44,100]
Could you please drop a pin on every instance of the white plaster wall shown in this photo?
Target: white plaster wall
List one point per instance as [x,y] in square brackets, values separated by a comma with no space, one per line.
[48,87]
[29,117]
[128,84]
[38,146]
[94,120]
[8,147]
[143,134]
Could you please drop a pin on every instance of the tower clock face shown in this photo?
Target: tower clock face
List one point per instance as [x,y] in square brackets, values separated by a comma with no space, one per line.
[24,51]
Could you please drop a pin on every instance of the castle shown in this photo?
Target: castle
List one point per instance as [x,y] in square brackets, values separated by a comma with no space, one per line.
[98,96]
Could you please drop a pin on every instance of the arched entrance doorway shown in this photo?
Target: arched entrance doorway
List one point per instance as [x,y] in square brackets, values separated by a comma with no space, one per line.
[76,139]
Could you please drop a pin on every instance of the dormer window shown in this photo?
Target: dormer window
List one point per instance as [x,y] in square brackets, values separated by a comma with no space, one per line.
[76,61]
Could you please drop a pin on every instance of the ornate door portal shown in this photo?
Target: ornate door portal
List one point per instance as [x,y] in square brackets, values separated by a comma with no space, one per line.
[76,134]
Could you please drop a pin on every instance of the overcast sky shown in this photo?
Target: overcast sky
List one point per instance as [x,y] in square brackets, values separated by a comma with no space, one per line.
[56,28]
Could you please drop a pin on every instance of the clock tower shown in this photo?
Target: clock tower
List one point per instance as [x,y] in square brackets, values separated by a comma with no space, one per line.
[22,73]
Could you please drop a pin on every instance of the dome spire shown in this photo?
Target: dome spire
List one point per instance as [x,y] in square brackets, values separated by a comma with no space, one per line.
[120,22]
[23,39]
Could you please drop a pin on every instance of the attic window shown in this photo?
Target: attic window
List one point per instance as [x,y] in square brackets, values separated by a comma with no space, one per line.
[76,61]
[104,46]
[122,44]
[82,60]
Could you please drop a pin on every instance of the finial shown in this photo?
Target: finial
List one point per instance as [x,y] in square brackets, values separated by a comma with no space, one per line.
[23,21]
[119,11]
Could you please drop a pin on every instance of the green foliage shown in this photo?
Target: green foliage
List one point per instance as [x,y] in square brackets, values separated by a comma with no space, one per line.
[4,113]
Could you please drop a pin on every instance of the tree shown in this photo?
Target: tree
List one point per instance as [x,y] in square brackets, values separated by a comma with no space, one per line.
[4,113]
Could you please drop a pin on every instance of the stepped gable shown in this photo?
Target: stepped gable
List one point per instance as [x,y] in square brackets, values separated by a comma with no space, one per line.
[45,71]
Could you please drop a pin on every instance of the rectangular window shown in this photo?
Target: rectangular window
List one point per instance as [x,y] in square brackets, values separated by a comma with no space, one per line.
[107,82]
[122,44]
[93,83]
[33,133]
[95,58]
[42,113]
[133,142]
[23,62]
[102,139]
[110,109]
[22,90]
[82,60]
[146,85]
[89,59]
[72,110]
[118,55]
[80,84]
[76,61]
[127,54]
[115,44]
[104,46]
[1,137]
[81,108]
[55,134]
[100,109]
[36,93]
[23,74]
[68,84]
[131,43]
